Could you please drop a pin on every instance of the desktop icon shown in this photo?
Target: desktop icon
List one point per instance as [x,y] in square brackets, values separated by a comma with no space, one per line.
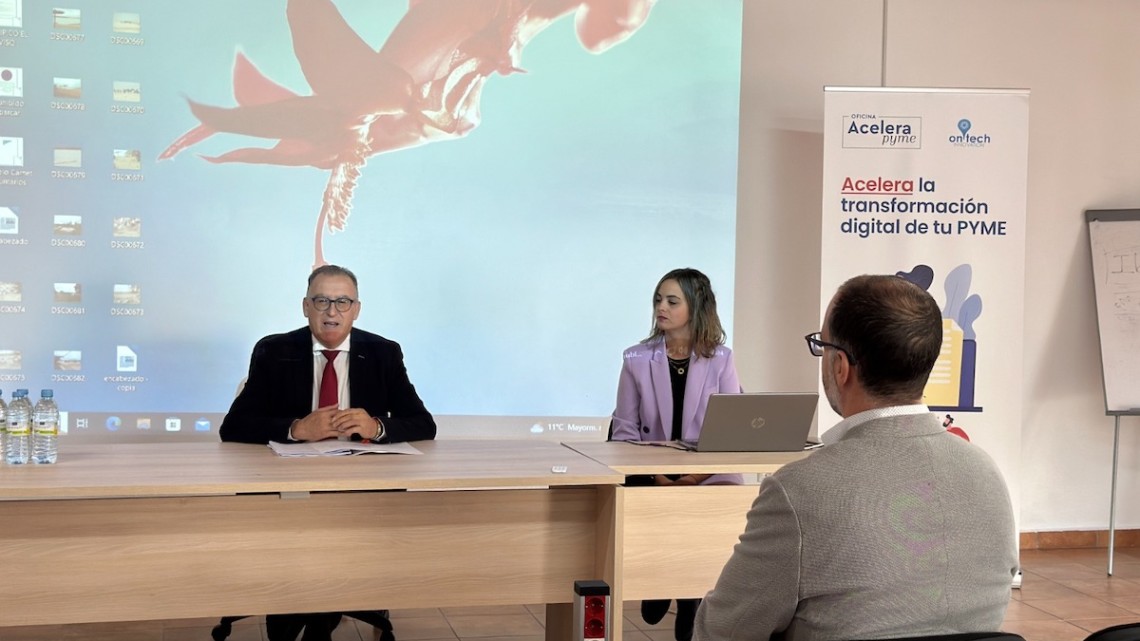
[67,157]
[126,91]
[71,88]
[173,424]
[11,82]
[126,227]
[126,294]
[11,291]
[81,423]
[124,22]
[70,19]
[67,292]
[67,360]
[11,359]
[125,359]
[114,423]
[67,225]
[202,425]
[12,13]
[9,221]
[127,159]
[142,423]
[11,151]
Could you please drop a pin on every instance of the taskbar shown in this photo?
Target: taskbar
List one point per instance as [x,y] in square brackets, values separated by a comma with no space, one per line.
[140,426]
[143,427]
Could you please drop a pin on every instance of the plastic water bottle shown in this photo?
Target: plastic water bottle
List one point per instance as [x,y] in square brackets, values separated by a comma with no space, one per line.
[17,447]
[3,420]
[45,429]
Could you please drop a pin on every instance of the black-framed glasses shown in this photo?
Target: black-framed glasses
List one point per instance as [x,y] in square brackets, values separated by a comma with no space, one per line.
[816,345]
[322,303]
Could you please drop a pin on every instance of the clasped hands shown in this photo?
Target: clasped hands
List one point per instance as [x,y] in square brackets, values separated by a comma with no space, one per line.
[331,422]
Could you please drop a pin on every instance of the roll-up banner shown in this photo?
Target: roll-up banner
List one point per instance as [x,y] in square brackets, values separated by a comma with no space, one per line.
[930,184]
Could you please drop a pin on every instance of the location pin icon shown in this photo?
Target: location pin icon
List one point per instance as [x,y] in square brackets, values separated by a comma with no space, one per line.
[963,126]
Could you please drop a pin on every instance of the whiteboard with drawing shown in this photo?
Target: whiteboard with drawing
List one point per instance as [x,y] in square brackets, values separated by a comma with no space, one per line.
[1114,239]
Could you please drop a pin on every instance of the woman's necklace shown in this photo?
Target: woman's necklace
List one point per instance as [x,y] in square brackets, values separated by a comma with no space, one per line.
[679,365]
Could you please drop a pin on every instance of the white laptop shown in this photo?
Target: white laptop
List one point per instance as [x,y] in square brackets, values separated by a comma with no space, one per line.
[757,422]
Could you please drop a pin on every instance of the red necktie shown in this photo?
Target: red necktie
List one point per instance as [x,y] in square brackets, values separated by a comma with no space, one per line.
[328,394]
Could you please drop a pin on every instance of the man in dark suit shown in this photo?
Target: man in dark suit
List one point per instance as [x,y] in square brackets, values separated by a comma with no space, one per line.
[281,400]
[325,381]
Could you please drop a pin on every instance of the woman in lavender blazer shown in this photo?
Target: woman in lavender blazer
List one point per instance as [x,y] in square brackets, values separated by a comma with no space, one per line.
[665,384]
[645,397]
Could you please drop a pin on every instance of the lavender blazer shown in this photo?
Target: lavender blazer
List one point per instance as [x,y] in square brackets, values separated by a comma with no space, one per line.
[644,409]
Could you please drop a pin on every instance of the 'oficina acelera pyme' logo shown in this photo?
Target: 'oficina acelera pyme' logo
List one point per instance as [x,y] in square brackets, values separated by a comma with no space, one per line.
[868,131]
[967,139]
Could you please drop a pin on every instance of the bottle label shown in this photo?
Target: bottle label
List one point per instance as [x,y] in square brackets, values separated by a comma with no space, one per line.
[15,429]
[47,429]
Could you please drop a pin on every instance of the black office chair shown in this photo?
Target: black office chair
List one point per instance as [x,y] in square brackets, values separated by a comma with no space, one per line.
[378,619]
[1125,632]
[968,637]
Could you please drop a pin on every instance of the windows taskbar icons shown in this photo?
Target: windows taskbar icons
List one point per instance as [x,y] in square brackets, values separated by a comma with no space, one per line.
[143,423]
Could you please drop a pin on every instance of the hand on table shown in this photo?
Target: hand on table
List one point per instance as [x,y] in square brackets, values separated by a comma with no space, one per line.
[317,426]
[356,421]
[330,422]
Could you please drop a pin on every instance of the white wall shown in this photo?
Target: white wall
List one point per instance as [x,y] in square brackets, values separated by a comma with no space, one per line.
[1081,60]
[791,50]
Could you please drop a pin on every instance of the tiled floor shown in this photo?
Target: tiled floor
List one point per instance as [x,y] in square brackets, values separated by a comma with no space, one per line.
[1064,596]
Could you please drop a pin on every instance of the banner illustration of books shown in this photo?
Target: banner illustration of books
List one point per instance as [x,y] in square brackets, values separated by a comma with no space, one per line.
[952,381]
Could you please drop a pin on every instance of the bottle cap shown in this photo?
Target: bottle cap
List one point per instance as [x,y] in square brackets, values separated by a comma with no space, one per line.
[46,393]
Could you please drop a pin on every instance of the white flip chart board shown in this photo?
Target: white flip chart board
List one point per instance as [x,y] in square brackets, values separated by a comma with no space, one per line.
[1114,241]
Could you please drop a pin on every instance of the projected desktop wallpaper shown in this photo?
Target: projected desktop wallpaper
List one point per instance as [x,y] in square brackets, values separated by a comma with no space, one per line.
[508,179]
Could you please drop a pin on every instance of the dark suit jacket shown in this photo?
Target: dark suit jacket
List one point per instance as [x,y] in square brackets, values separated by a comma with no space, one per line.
[279,389]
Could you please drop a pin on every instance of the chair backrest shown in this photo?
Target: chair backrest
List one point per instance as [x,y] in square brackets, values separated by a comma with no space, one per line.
[1125,632]
[967,636]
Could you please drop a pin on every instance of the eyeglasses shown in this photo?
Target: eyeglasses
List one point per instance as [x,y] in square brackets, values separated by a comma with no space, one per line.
[815,346]
[322,303]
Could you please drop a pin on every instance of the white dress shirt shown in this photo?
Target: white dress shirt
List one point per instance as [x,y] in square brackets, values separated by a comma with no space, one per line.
[341,367]
[840,429]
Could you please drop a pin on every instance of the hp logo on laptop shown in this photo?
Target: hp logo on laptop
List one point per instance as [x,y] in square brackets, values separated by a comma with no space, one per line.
[758,422]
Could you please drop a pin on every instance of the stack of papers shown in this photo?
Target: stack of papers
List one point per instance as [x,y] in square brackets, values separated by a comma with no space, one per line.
[340,448]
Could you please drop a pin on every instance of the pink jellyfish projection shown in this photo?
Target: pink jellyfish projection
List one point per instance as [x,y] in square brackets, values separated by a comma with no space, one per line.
[423,85]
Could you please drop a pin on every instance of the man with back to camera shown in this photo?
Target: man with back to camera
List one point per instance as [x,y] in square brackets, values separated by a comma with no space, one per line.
[327,380]
[895,528]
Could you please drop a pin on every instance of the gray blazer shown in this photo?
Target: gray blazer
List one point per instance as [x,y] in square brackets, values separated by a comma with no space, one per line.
[899,529]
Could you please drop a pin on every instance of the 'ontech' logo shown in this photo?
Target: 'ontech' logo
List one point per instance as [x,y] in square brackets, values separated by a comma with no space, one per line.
[967,139]
[868,131]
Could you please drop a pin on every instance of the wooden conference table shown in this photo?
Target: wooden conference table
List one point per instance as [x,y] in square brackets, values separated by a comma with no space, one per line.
[157,531]
[672,542]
